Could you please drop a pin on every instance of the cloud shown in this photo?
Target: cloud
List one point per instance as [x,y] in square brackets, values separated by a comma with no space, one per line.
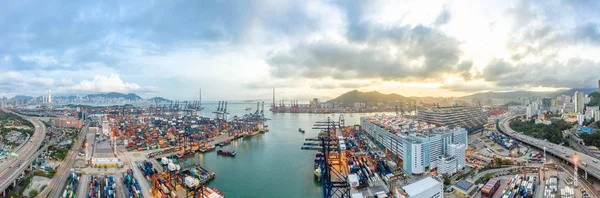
[443,18]
[574,73]
[396,53]
[111,83]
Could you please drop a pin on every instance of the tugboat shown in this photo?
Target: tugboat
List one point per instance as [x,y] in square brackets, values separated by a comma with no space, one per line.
[224,143]
[226,153]
[301,130]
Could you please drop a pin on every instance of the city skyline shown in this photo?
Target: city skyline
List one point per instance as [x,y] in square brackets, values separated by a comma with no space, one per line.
[236,50]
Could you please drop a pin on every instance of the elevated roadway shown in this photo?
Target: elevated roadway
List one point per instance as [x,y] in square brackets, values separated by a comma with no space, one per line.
[13,169]
[57,184]
[588,164]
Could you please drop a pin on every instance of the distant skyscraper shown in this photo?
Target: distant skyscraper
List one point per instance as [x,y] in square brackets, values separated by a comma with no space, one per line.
[579,101]
[49,96]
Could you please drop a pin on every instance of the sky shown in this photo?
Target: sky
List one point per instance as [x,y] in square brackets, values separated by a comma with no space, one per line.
[304,49]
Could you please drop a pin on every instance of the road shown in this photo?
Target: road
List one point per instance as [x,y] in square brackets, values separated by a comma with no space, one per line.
[565,153]
[57,184]
[14,167]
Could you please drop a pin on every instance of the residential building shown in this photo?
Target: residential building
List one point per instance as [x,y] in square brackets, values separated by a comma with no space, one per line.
[428,187]
[532,110]
[568,107]
[419,145]
[471,118]
[579,101]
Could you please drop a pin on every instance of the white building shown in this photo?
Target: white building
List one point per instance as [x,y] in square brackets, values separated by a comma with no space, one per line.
[419,150]
[447,165]
[458,150]
[532,110]
[580,119]
[428,187]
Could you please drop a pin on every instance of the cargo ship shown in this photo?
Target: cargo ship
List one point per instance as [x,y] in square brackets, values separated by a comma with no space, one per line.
[319,157]
[250,134]
[248,108]
[226,153]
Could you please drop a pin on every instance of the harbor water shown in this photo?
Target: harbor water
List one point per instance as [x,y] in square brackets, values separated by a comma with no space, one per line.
[270,164]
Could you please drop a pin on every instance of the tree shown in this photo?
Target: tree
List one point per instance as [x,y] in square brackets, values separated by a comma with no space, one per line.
[33,193]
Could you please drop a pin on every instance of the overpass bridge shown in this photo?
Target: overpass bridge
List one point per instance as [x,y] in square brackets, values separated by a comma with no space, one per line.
[14,169]
[561,152]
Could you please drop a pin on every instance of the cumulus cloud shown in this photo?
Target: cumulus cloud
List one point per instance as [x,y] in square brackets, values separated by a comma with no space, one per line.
[397,53]
[111,83]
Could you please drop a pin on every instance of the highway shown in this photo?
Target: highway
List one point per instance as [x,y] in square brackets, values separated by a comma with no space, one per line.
[562,152]
[57,184]
[14,167]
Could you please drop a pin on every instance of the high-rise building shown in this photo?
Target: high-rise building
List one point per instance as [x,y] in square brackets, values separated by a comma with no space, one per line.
[579,101]
[49,96]
[420,145]
[471,118]
[532,110]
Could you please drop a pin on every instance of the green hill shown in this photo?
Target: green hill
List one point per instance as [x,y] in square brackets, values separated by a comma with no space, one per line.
[351,97]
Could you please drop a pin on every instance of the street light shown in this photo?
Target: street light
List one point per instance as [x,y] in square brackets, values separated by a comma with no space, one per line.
[575,159]
[545,158]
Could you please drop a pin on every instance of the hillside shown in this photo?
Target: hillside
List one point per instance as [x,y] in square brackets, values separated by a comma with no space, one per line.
[516,94]
[159,99]
[351,97]
[22,97]
[129,96]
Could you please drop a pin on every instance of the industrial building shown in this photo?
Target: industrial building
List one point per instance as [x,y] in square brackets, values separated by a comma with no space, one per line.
[472,118]
[428,187]
[419,145]
[65,122]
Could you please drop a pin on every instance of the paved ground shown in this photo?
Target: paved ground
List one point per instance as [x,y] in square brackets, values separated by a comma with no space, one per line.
[37,183]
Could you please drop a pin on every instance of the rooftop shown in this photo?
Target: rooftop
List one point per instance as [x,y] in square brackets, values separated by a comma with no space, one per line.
[420,186]
[464,185]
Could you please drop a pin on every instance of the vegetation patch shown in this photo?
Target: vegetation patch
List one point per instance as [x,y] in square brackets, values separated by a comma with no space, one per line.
[552,132]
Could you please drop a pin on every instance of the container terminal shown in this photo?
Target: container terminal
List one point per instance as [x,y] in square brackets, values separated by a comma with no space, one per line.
[107,166]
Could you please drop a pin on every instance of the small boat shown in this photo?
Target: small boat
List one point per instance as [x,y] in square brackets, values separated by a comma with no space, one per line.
[224,143]
[226,153]
[301,130]
[248,108]
[246,134]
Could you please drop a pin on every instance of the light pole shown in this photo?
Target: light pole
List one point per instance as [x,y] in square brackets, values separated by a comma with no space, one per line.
[545,158]
[575,183]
